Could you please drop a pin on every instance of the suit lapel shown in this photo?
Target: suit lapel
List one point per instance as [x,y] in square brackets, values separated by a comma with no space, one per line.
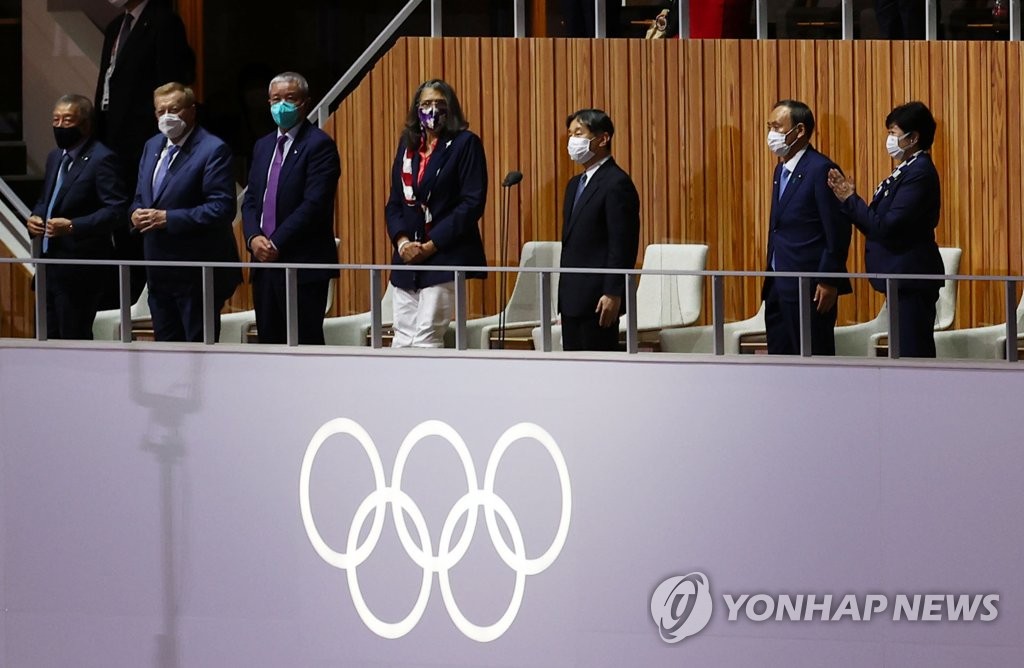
[78,166]
[294,151]
[184,153]
[574,212]
[442,152]
[795,181]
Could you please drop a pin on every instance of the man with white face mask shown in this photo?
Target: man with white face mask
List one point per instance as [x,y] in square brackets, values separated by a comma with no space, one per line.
[806,233]
[600,229]
[184,207]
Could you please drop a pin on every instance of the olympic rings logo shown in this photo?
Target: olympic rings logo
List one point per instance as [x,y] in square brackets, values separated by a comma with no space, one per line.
[422,553]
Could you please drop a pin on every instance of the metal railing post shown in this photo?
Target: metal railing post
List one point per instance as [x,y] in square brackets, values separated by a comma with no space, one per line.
[600,19]
[931,19]
[1011,321]
[545,311]
[209,317]
[40,302]
[519,17]
[1014,20]
[632,343]
[124,289]
[718,312]
[291,292]
[805,316]
[460,311]
[683,9]
[376,327]
[847,9]
[892,302]
[761,19]
[435,19]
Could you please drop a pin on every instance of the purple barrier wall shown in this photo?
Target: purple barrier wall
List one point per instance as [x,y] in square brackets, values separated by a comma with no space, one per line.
[165,508]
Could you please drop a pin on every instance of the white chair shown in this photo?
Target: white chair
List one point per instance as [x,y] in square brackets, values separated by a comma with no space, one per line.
[702,339]
[351,330]
[945,307]
[523,308]
[977,342]
[107,325]
[662,301]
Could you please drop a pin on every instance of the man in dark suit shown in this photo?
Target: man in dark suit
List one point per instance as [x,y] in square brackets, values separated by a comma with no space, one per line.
[184,207]
[143,48]
[83,198]
[901,19]
[806,233]
[288,213]
[601,229]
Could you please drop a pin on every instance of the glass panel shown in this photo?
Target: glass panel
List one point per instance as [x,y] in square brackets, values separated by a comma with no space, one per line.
[805,19]
[974,19]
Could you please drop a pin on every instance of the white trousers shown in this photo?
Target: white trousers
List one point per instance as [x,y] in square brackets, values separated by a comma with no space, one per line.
[422,316]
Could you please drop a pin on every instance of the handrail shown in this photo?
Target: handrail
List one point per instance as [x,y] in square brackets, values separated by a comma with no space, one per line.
[461,340]
[13,213]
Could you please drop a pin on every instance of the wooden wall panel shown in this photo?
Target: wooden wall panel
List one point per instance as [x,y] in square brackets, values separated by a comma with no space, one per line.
[689,119]
[17,300]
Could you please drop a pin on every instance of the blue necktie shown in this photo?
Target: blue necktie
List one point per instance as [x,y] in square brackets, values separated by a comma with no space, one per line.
[784,181]
[161,170]
[65,162]
[579,190]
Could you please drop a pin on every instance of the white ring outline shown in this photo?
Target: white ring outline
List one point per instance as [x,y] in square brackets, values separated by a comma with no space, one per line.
[378,500]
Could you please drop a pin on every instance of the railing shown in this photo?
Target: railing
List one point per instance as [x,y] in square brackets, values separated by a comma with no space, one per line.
[13,214]
[321,112]
[544,297]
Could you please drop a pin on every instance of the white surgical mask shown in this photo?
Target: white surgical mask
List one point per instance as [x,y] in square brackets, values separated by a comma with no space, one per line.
[892,146]
[579,149]
[777,142]
[172,126]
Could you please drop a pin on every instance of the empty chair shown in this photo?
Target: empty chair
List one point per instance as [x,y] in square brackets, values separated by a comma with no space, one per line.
[523,308]
[977,342]
[107,325]
[702,339]
[662,300]
[352,330]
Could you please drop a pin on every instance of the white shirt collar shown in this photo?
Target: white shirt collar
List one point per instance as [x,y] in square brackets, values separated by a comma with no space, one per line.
[790,164]
[596,166]
[181,141]
[137,12]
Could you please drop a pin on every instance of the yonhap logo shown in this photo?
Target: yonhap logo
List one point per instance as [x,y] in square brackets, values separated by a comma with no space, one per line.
[681,606]
[450,549]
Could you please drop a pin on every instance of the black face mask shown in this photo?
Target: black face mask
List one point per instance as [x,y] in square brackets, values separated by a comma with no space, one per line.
[67,137]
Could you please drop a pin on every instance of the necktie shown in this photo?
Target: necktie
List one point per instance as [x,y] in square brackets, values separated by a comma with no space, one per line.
[161,169]
[270,195]
[784,181]
[65,162]
[122,35]
[579,190]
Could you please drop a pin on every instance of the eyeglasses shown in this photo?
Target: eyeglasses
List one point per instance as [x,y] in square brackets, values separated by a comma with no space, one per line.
[433,104]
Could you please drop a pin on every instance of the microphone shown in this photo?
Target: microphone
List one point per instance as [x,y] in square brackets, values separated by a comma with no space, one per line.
[512,179]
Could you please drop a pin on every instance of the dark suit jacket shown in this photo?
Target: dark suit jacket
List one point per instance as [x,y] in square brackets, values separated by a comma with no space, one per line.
[305,199]
[454,187]
[806,231]
[198,194]
[604,232]
[156,52]
[93,197]
[900,224]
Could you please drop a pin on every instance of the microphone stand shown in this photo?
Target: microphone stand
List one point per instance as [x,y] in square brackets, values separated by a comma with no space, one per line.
[511,179]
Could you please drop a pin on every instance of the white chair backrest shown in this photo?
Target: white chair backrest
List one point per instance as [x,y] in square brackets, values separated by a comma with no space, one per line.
[524,302]
[671,301]
[945,307]
[140,309]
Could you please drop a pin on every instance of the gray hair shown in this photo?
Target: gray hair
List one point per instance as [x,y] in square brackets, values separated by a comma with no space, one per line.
[291,77]
[81,103]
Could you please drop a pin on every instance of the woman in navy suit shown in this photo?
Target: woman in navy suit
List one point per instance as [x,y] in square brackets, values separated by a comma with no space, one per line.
[438,194]
[900,223]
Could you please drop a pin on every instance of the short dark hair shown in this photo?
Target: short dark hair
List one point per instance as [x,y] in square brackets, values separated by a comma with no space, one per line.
[454,121]
[594,120]
[914,117]
[83,107]
[799,113]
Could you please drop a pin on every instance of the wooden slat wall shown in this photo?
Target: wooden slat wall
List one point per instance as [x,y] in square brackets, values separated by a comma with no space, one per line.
[690,130]
[17,308]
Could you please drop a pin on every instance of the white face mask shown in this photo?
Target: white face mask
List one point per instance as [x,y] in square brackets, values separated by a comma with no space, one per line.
[118,3]
[777,142]
[579,149]
[892,147]
[172,126]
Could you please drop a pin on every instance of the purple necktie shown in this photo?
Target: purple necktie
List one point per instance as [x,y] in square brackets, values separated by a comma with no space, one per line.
[270,195]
